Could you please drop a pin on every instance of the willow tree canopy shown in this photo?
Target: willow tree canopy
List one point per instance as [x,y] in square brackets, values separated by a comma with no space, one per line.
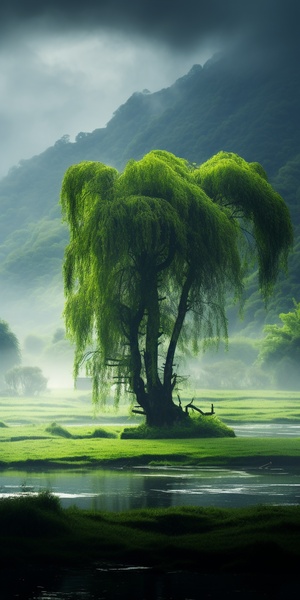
[153,243]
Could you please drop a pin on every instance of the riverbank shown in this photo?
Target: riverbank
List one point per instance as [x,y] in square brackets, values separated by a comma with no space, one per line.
[44,452]
[37,531]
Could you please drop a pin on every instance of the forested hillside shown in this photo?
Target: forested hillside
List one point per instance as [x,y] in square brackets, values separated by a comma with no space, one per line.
[220,106]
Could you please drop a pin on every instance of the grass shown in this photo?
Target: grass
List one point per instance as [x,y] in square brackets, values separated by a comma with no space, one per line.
[71,407]
[195,427]
[78,437]
[59,452]
[37,530]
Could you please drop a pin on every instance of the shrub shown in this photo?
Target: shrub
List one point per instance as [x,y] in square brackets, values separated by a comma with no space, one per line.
[31,515]
[103,433]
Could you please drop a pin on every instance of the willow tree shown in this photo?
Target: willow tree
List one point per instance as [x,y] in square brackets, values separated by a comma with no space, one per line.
[153,245]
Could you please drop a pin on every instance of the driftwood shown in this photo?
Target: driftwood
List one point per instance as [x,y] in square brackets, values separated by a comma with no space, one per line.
[191,406]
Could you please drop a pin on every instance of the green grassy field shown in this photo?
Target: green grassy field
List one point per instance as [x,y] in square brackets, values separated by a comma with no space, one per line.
[27,442]
[75,407]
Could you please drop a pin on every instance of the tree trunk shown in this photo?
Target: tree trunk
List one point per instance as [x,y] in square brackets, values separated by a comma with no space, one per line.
[160,409]
[153,395]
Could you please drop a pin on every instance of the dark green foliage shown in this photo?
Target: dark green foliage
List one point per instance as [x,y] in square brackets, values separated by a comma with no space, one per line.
[10,354]
[280,349]
[103,433]
[36,516]
[149,246]
[36,531]
[199,427]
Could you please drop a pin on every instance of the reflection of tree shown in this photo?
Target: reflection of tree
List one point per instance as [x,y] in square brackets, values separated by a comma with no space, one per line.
[154,495]
[126,490]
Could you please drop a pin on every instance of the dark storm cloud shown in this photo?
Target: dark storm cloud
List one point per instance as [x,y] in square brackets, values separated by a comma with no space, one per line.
[66,66]
[178,24]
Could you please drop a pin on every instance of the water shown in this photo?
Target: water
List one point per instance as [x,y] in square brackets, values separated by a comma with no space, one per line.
[126,583]
[122,489]
[266,430]
[152,487]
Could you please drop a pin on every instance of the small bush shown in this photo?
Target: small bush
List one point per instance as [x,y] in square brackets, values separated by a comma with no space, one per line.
[194,427]
[103,433]
[56,429]
[31,515]
[3,424]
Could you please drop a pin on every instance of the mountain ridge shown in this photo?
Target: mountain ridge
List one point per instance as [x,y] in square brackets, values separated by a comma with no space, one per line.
[217,106]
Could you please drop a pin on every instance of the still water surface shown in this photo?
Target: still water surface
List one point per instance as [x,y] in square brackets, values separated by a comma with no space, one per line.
[152,487]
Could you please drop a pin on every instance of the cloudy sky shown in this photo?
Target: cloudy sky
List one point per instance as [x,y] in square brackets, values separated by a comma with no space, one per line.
[66,67]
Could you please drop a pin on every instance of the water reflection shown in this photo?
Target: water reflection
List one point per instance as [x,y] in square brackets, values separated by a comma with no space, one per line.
[150,487]
[142,584]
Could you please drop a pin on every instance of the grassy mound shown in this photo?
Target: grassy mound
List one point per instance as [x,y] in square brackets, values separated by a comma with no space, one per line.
[56,429]
[2,424]
[35,516]
[194,427]
[103,433]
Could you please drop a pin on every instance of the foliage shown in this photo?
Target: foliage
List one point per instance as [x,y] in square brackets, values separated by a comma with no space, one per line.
[198,427]
[160,241]
[32,515]
[207,110]
[26,381]
[10,354]
[280,349]
[37,531]
[103,433]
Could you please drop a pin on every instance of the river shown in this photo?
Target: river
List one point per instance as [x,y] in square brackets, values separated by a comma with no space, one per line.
[122,489]
[151,487]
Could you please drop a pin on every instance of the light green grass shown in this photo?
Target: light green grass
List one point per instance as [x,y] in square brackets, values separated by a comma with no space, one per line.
[251,406]
[61,452]
[71,407]
[26,442]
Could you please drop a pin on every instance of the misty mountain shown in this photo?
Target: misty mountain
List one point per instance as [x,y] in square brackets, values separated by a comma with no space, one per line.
[223,105]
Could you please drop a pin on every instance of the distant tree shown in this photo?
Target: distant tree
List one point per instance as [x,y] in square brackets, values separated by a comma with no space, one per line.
[59,335]
[26,381]
[10,354]
[280,349]
[156,244]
